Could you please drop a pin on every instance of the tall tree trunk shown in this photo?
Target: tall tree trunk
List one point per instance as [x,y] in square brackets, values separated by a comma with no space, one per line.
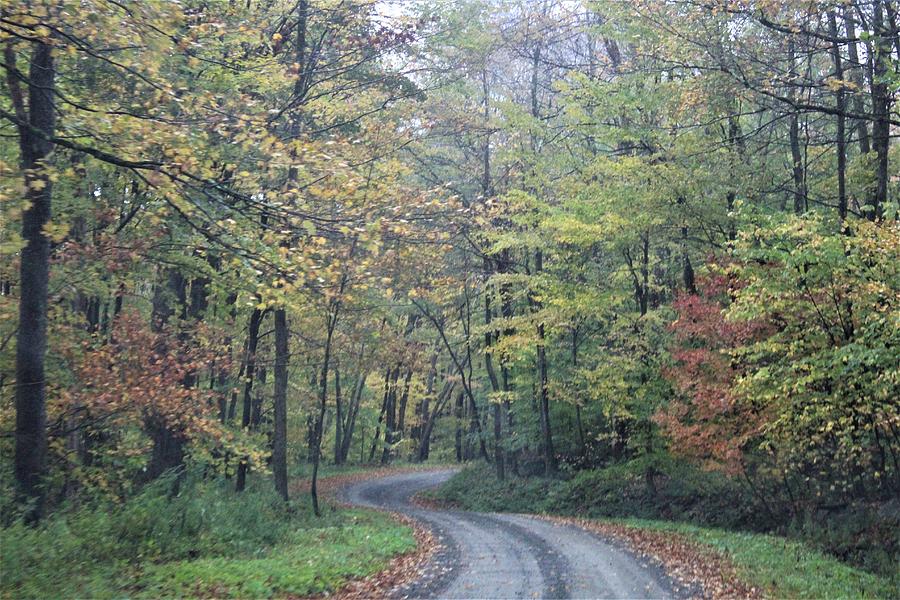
[687,269]
[499,462]
[506,309]
[856,76]
[840,104]
[323,397]
[881,110]
[353,411]
[338,416]
[550,465]
[168,451]
[578,421]
[422,407]
[458,437]
[428,427]
[735,156]
[384,405]
[798,171]
[279,436]
[256,415]
[390,416]
[252,343]
[331,324]
[36,127]
[404,400]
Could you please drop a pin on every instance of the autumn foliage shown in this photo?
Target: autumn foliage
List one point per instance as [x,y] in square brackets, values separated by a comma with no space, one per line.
[707,421]
[786,363]
[132,382]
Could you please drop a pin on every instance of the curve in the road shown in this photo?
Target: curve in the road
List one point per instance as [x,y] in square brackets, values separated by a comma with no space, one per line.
[485,555]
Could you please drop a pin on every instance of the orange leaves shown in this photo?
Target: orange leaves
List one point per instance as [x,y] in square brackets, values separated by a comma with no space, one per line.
[141,375]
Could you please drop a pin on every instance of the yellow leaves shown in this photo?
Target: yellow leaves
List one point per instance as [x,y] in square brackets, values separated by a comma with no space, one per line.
[11,244]
[835,85]
[37,184]
[55,232]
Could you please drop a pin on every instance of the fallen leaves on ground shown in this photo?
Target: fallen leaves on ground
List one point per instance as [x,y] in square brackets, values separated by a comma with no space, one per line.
[328,486]
[695,566]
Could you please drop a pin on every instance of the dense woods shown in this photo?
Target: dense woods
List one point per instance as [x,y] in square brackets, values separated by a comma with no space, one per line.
[246,239]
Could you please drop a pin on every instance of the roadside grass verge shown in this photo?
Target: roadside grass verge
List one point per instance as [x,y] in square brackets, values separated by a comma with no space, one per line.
[312,560]
[205,541]
[780,567]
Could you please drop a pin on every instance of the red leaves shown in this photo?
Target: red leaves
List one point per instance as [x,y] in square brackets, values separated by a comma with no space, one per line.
[708,423]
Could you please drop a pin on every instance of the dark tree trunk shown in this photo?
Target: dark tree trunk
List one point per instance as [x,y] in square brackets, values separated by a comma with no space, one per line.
[252,343]
[800,193]
[425,442]
[881,109]
[339,417]
[390,416]
[736,155]
[36,128]
[256,416]
[168,448]
[384,406]
[458,414]
[578,421]
[320,418]
[797,160]
[401,409]
[422,407]
[687,271]
[550,465]
[279,435]
[168,451]
[499,462]
[840,104]
[856,76]
[353,411]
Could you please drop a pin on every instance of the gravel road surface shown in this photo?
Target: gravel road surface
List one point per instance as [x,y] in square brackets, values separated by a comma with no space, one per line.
[486,555]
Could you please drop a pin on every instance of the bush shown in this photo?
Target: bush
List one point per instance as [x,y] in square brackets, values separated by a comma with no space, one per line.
[682,493]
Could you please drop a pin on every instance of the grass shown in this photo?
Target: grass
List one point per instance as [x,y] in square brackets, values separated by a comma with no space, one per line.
[783,567]
[310,561]
[206,541]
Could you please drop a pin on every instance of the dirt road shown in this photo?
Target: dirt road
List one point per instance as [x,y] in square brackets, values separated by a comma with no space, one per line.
[510,556]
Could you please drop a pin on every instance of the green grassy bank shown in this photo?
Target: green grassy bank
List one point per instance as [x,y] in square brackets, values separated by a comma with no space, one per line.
[205,541]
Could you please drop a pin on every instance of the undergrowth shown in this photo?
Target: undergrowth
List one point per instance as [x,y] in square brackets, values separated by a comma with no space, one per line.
[204,541]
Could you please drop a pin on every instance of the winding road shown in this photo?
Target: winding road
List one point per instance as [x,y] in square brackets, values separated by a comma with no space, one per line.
[487,555]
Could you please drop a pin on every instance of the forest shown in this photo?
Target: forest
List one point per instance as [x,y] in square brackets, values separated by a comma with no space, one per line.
[611,259]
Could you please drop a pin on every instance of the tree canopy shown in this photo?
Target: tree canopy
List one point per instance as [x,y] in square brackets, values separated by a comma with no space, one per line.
[547,234]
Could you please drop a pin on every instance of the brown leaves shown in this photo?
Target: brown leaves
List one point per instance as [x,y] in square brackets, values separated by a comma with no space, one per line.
[701,569]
